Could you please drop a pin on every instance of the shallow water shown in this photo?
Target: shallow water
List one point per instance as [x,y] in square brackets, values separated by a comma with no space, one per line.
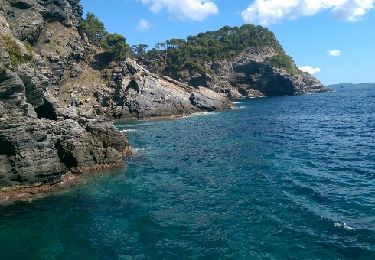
[286,177]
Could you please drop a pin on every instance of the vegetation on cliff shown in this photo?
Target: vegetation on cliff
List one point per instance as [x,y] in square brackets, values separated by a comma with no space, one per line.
[192,54]
[238,61]
[94,29]
[115,45]
[15,52]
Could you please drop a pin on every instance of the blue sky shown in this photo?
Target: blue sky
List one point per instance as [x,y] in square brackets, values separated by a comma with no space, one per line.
[335,39]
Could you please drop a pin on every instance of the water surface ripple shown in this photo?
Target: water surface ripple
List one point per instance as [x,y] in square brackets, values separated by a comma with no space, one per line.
[287,177]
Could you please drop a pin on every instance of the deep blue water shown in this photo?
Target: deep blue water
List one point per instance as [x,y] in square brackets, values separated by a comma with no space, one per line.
[276,178]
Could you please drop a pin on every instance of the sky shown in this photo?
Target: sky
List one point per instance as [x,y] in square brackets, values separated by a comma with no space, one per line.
[332,39]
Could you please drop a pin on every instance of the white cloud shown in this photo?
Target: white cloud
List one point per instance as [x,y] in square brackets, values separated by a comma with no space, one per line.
[195,10]
[334,53]
[270,11]
[143,25]
[310,69]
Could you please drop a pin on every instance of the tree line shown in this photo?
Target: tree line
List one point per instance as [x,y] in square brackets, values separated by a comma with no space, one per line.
[196,51]
[114,44]
[190,54]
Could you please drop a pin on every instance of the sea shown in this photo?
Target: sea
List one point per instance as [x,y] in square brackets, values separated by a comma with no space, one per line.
[274,178]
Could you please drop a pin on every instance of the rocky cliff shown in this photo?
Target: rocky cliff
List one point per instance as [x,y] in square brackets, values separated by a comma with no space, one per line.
[39,140]
[56,104]
[241,62]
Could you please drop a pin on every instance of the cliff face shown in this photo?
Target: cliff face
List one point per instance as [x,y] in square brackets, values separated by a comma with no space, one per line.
[55,101]
[249,74]
[39,142]
[135,92]
[241,62]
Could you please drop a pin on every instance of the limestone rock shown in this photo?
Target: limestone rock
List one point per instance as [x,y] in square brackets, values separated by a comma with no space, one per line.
[138,93]
[40,140]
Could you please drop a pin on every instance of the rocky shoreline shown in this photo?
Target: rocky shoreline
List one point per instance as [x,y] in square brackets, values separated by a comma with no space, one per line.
[58,102]
[76,176]
[70,179]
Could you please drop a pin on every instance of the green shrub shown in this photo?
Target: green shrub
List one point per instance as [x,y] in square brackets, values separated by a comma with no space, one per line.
[93,28]
[139,50]
[283,61]
[116,46]
[15,52]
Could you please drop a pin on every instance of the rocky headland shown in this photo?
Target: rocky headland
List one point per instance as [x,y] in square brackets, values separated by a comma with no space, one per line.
[58,100]
[240,62]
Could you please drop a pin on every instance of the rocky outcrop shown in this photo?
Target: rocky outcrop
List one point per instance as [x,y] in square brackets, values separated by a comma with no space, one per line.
[41,151]
[250,74]
[39,142]
[263,69]
[133,91]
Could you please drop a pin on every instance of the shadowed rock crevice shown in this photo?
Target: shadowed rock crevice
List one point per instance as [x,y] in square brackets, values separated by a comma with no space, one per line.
[20,4]
[133,85]
[17,178]
[65,155]
[101,61]
[3,77]
[53,16]
[6,147]
[46,111]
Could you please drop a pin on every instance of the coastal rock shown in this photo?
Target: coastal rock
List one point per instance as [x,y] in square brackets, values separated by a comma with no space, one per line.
[39,141]
[252,76]
[41,151]
[135,92]
[206,99]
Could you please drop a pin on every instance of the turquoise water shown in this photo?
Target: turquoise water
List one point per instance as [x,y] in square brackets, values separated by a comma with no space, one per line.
[276,178]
